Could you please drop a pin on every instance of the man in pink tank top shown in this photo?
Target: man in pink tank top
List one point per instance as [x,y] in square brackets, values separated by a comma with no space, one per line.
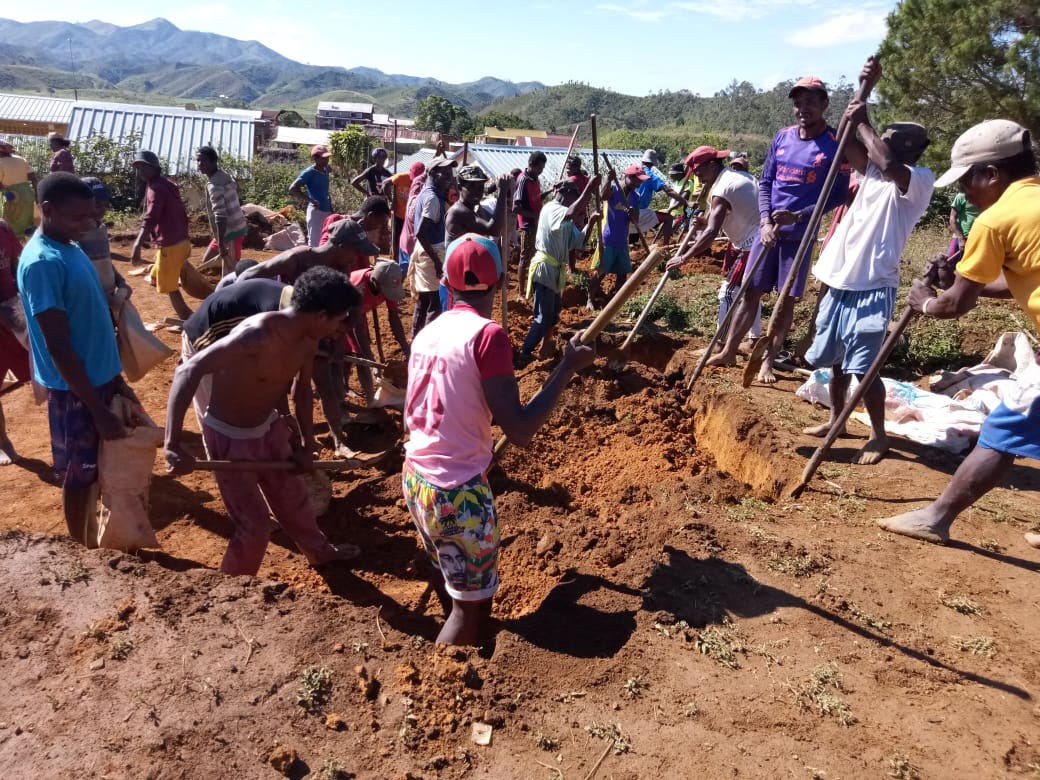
[461,377]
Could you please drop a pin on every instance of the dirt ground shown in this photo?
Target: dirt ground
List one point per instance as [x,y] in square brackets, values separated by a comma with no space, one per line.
[665,611]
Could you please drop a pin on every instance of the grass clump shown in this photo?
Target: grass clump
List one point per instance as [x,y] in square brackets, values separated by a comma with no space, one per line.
[720,645]
[611,731]
[977,644]
[961,604]
[901,768]
[820,693]
[797,565]
[749,508]
[315,688]
[634,687]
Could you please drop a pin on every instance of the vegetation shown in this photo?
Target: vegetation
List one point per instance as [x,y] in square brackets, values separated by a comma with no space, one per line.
[949,65]
[440,114]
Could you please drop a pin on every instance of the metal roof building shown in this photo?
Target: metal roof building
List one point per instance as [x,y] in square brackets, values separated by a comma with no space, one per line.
[172,133]
[496,160]
[34,114]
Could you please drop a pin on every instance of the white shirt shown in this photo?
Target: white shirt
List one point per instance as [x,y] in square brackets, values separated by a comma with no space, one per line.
[740,191]
[864,250]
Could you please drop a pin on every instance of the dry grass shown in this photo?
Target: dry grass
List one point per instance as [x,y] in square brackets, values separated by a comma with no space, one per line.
[961,604]
[820,693]
[797,565]
[720,645]
[977,644]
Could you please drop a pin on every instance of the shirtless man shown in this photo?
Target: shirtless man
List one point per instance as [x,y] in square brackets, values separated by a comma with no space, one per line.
[467,215]
[348,245]
[247,419]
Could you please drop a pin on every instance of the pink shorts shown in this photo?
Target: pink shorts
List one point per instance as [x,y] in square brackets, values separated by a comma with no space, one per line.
[236,246]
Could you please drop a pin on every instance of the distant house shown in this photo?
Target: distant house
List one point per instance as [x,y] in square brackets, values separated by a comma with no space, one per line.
[506,136]
[544,141]
[337,116]
[33,115]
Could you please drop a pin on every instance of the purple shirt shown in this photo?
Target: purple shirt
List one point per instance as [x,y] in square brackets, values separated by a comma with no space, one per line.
[165,220]
[615,228]
[793,177]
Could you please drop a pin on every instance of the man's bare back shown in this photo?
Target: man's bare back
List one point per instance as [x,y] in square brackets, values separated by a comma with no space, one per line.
[271,351]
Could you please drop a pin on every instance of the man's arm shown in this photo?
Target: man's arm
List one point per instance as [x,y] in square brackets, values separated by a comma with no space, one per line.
[248,345]
[283,265]
[303,406]
[581,204]
[955,227]
[720,207]
[961,298]
[54,324]
[519,422]
[296,191]
[356,181]
[397,328]
[422,235]
[152,209]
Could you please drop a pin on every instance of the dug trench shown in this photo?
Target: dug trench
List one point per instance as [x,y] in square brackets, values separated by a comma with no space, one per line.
[663,610]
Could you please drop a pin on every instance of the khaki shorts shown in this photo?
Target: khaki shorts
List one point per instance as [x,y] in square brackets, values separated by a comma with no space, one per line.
[169,261]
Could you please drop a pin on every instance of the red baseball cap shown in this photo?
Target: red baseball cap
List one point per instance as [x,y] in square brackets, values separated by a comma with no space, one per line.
[472,262]
[417,169]
[321,151]
[808,82]
[702,154]
[636,170]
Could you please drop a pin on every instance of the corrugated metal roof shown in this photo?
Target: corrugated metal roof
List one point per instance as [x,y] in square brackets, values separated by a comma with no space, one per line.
[496,160]
[301,136]
[34,108]
[173,134]
[242,112]
[355,108]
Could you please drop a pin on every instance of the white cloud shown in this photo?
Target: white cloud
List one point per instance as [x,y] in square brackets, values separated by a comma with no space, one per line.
[634,13]
[740,10]
[840,28]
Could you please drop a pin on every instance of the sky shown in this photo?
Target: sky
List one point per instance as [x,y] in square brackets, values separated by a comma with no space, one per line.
[631,46]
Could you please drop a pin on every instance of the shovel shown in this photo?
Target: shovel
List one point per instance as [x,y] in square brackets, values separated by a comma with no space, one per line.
[618,363]
[359,459]
[845,132]
[604,318]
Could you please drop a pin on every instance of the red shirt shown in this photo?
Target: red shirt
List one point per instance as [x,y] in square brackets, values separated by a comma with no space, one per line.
[529,195]
[369,299]
[165,220]
[10,251]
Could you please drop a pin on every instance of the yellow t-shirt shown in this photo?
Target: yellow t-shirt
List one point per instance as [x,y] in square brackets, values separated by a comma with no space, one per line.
[13,170]
[1006,236]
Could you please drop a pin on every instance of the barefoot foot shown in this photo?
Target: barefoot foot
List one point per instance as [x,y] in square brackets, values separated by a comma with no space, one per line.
[1033,539]
[336,552]
[8,454]
[918,524]
[722,359]
[766,375]
[873,451]
[821,430]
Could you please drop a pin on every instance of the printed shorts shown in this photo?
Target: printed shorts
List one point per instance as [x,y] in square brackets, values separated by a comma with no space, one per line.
[74,439]
[459,529]
[169,261]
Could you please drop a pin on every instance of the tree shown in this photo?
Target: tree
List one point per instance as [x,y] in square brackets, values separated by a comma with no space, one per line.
[492,118]
[950,64]
[438,113]
[291,118]
[350,148]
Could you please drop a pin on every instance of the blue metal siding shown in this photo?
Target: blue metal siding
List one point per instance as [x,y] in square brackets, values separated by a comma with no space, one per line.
[173,134]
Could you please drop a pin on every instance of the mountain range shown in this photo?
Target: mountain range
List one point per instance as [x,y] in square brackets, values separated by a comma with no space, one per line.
[157,60]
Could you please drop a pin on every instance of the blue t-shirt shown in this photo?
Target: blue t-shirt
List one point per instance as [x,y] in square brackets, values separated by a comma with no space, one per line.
[615,217]
[646,190]
[53,275]
[317,184]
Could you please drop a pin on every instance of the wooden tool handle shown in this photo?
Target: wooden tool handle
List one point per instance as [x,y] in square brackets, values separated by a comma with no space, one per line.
[269,465]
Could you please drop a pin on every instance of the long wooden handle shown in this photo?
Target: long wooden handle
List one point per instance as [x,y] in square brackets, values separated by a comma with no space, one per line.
[379,336]
[853,400]
[570,148]
[595,170]
[270,465]
[605,316]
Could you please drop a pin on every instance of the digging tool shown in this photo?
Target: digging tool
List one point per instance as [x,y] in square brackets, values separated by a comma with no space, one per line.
[570,148]
[595,170]
[604,318]
[505,246]
[845,132]
[613,175]
[360,361]
[360,459]
[930,276]
[379,335]
[724,325]
[617,363]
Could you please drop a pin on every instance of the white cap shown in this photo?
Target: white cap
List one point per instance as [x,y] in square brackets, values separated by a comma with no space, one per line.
[986,142]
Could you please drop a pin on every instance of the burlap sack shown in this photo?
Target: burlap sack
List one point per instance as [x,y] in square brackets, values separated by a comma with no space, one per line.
[139,350]
[125,470]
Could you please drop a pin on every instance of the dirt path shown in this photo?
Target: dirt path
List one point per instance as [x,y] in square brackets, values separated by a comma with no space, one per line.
[662,608]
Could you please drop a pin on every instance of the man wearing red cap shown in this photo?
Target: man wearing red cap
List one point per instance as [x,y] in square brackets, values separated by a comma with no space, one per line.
[621,209]
[994,165]
[792,179]
[312,187]
[732,207]
[461,377]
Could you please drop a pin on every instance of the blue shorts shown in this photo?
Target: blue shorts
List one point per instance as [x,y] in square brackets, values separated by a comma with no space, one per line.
[74,439]
[850,328]
[1014,426]
[775,265]
[614,260]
